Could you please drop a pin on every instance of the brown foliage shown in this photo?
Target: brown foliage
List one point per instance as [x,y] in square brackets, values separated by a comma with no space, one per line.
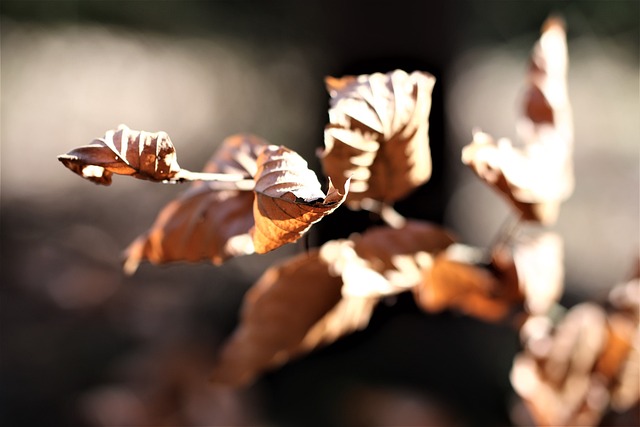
[123,151]
[204,222]
[537,176]
[378,134]
[569,374]
[289,199]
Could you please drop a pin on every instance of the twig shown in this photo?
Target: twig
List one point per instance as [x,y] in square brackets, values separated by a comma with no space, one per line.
[386,212]
[225,180]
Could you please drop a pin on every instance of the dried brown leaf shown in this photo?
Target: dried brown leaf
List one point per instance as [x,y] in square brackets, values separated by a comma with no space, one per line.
[537,175]
[458,281]
[294,307]
[570,374]
[123,151]
[204,222]
[384,260]
[378,134]
[289,198]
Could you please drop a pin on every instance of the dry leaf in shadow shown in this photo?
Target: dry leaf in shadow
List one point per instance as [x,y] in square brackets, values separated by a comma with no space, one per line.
[294,307]
[572,373]
[536,175]
[378,134]
[289,198]
[205,222]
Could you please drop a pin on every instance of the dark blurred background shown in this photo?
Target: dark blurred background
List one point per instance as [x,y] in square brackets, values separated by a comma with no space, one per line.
[81,344]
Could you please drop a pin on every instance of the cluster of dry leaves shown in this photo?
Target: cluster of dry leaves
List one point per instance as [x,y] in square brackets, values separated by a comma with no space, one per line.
[253,197]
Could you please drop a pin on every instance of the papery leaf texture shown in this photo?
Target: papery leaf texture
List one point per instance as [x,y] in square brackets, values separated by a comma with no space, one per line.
[289,198]
[385,260]
[536,174]
[205,222]
[123,151]
[293,308]
[378,134]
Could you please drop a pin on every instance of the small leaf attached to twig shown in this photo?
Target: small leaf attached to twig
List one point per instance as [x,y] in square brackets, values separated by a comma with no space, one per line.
[207,221]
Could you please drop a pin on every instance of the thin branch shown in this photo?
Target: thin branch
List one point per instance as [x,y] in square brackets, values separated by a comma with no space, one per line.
[389,215]
[224,181]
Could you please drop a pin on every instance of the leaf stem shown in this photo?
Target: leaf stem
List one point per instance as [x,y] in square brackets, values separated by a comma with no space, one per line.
[225,181]
[390,216]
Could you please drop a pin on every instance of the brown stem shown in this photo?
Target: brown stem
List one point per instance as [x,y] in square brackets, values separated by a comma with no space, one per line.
[389,215]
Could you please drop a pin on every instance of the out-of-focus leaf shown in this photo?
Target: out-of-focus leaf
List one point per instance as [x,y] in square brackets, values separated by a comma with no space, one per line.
[384,260]
[536,175]
[572,373]
[294,307]
[204,222]
[539,265]
[454,282]
[378,134]
[289,198]
[123,151]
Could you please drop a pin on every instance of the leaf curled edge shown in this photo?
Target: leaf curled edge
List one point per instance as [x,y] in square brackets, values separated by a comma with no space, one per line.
[144,155]
[289,198]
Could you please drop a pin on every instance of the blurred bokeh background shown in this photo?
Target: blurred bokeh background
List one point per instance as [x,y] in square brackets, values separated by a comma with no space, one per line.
[81,344]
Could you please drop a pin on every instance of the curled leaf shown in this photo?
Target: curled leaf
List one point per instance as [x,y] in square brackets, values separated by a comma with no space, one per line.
[204,222]
[123,151]
[289,198]
[294,307]
[378,134]
[536,175]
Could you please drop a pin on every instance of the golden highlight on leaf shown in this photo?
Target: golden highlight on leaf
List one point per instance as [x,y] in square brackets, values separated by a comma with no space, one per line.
[378,134]
[289,198]
[293,308]
[204,223]
[123,151]
[537,174]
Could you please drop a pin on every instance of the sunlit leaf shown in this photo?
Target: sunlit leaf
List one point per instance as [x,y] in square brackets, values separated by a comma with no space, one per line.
[123,151]
[204,223]
[378,134]
[536,174]
[289,198]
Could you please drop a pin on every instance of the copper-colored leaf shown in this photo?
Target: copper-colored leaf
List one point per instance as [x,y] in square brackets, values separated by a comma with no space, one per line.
[123,151]
[294,307]
[378,134]
[458,281]
[204,222]
[536,175]
[289,198]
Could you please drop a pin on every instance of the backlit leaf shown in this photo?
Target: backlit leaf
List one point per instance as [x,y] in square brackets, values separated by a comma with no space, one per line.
[289,198]
[204,223]
[123,151]
[536,174]
[378,134]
